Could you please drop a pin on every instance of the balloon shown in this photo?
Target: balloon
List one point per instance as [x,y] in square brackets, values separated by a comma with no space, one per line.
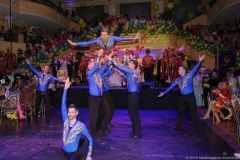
[212,56]
[156,7]
[176,2]
[81,21]
[191,15]
[77,18]
[170,5]
[204,11]
[166,9]
[82,3]
[45,60]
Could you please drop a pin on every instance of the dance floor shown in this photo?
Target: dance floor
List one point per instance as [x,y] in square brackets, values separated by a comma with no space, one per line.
[149,97]
[40,141]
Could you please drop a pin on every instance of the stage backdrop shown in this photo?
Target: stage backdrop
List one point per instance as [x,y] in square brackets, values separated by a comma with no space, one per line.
[226,59]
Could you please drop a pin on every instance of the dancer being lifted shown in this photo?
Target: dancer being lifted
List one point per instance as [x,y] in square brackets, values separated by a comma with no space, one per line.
[73,130]
[187,98]
[104,42]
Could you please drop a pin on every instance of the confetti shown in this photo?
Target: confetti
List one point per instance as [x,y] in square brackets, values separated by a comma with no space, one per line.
[103,143]
[40,142]
[23,148]
[32,149]
[14,153]
[224,153]
[112,148]
[38,134]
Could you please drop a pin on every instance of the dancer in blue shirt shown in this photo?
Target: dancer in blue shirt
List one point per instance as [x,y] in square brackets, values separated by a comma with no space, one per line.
[133,95]
[104,42]
[44,79]
[73,129]
[187,98]
[96,94]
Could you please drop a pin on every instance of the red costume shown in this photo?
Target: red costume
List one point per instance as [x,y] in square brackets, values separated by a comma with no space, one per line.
[164,66]
[83,68]
[147,61]
[172,68]
[178,63]
[222,99]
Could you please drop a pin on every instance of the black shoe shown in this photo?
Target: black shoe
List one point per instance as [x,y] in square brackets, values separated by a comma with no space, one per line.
[177,128]
[106,133]
[197,133]
[96,138]
[132,133]
[110,125]
[136,137]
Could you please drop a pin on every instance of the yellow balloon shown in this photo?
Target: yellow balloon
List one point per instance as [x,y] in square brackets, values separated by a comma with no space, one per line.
[83,25]
[82,3]
[156,7]
[81,21]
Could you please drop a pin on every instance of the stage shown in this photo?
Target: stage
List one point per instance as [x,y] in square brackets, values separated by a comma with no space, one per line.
[148,100]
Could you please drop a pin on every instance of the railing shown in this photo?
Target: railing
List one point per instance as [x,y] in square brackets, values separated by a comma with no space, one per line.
[9,37]
[51,5]
[197,12]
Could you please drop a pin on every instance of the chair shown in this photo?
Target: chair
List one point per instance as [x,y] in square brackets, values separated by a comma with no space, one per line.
[29,97]
[9,105]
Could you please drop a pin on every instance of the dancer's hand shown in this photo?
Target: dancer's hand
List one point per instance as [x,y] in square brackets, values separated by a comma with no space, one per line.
[89,158]
[27,61]
[109,57]
[100,52]
[136,36]
[201,58]
[67,83]
[72,43]
[161,94]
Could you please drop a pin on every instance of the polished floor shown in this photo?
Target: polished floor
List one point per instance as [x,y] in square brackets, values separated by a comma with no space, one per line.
[30,141]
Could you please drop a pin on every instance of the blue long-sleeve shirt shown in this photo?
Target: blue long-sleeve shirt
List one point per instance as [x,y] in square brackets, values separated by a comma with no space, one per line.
[43,79]
[72,136]
[95,79]
[109,44]
[185,83]
[131,78]
[105,80]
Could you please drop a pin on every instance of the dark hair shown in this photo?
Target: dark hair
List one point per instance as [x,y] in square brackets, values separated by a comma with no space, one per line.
[148,50]
[135,63]
[73,106]
[104,30]
[184,68]
[141,69]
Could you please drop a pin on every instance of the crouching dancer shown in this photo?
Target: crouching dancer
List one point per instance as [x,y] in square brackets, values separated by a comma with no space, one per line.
[73,130]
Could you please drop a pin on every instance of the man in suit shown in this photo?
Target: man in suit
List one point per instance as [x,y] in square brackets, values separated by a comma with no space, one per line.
[55,64]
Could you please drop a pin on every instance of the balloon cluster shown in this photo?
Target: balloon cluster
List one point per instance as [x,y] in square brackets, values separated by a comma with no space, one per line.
[47,56]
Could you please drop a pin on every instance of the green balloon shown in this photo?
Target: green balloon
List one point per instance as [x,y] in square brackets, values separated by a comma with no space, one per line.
[41,60]
[131,23]
[77,18]
[45,60]
[204,11]
[166,9]
[126,33]
[151,33]
[191,15]
[176,2]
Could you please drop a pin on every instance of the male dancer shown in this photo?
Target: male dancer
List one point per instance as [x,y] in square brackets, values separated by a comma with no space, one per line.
[73,129]
[108,98]
[44,79]
[95,94]
[185,84]
[104,42]
[133,95]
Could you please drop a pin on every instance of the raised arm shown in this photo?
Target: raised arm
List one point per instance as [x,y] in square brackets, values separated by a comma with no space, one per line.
[86,134]
[192,72]
[102,69]
[108,73]
[167,90]
[124,77]
[32,68]
[95,68]
[64,97]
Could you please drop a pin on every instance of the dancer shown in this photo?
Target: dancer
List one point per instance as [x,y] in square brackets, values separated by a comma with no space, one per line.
[73,130]
[108,97]
[133,96]
[104,42]
[95,95]
[185,84]
[44,79]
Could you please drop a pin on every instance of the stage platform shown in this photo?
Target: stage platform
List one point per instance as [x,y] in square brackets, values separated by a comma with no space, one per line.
[148,100]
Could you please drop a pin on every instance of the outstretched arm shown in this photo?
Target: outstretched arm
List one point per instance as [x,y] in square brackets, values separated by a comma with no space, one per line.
[56,79]
[64,97]
[90,141]
[169,88]
[123,69]
[116,39]
[82,43]
[32,68]
[108,73]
